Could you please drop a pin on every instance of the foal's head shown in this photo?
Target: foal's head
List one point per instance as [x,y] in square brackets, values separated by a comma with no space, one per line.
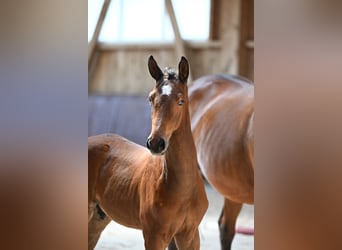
[168,101]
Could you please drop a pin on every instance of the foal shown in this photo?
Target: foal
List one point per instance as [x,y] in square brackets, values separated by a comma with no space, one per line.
[158,190]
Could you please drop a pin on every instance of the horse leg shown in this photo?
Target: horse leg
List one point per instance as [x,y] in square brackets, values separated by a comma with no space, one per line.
[186,241]
[172,245]
[154,241]
[229,214]
[96,223]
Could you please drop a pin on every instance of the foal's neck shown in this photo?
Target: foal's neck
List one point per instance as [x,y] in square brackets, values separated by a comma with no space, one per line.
[181,157]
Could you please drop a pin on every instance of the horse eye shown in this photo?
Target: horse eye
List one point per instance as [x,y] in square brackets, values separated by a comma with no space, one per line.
[180,102]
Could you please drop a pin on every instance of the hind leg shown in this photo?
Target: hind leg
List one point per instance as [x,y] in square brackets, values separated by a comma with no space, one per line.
[96,223]
[227,222]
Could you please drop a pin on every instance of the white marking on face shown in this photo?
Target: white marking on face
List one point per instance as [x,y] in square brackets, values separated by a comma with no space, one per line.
[166,90]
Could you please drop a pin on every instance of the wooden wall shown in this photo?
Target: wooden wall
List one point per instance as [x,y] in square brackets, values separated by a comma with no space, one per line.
[122,69]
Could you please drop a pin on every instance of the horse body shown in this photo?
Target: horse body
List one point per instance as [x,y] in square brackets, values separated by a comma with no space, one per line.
[222,117]
[160,193]
[117,170]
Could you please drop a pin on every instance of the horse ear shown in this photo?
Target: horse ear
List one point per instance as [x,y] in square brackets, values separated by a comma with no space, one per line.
[154,69]
[183,70]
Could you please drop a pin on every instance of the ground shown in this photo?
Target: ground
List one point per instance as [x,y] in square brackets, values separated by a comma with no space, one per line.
[117,237]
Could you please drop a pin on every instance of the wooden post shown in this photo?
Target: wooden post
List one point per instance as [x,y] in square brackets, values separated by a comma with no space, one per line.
[179,43]
[246,51]
[95,37]
[215,20]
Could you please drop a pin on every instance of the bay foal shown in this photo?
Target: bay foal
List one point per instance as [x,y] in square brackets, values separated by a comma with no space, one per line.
[158,190]
[222,118]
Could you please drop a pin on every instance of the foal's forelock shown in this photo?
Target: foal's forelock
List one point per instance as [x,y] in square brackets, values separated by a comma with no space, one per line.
[170,74]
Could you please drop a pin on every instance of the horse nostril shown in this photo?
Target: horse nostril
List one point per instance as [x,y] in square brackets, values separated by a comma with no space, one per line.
[161,145]
[155,145]
[148,143]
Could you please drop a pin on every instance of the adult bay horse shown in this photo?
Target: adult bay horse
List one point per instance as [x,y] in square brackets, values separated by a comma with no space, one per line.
[158,190]
[222,118]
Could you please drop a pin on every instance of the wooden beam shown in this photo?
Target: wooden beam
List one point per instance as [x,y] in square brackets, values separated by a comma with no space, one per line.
[111,46]
[246,51]
[215,20]
[93,42]
[179,43]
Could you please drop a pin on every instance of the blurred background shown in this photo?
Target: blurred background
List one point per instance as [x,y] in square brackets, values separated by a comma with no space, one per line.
[44,112]
[216,36]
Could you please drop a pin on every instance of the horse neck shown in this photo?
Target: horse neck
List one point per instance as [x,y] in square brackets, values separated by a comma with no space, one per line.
[181,158]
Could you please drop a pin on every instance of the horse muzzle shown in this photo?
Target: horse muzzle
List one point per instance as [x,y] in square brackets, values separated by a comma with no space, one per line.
[156,145]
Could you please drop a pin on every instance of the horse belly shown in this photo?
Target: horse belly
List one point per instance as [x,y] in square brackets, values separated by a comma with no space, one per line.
[234,189]
[122,210]
[226,168]
[230,181]
[118,196]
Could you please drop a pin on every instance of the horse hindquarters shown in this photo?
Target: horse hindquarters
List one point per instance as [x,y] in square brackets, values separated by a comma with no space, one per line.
[97,219]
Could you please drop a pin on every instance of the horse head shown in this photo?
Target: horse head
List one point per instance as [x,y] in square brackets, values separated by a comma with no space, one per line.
[168,100]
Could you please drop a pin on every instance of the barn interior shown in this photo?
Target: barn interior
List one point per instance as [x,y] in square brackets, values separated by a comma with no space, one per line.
[216,36]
